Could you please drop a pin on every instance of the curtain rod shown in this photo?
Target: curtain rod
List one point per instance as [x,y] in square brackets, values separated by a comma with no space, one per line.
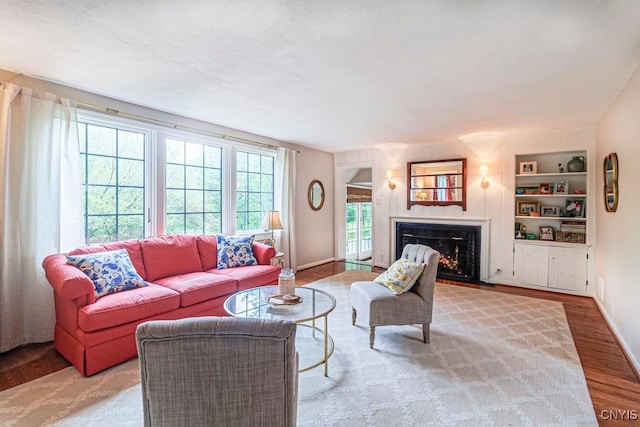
[115,112]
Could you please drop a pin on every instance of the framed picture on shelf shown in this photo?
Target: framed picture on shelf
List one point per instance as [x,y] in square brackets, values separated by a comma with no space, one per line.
[546,233]
[528,168]
[544,188]
[549,211]
[561,187]
[574,208]
[526,208]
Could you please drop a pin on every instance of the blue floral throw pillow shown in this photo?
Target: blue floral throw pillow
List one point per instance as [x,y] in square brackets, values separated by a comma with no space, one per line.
[110,271]
[235,251]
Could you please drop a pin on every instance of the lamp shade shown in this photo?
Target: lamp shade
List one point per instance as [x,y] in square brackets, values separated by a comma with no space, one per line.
[271,221]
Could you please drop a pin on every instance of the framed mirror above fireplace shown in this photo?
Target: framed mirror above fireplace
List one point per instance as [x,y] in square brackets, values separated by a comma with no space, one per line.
[437,183]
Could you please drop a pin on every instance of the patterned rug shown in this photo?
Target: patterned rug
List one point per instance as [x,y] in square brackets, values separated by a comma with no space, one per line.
[494,360]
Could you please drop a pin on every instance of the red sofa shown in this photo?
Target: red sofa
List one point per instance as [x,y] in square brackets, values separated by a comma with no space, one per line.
[183,279]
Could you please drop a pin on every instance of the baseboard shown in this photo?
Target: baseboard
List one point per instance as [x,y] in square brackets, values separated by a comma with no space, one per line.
[314,264]
[625,349]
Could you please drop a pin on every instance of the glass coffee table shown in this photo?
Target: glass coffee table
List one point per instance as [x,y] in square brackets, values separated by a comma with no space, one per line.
[314,344]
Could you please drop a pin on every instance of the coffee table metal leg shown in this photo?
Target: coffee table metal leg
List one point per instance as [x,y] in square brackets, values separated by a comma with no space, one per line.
[326,338]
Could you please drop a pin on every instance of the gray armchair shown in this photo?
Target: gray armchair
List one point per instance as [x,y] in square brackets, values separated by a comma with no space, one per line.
[376,305]
[218,371]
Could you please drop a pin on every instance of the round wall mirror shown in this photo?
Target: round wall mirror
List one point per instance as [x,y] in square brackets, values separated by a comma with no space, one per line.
[610,169]
[316,195]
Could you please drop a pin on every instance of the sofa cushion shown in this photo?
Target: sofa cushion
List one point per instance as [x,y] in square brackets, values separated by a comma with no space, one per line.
[124,307]
[198,287]
[235,251]
[135,253]
[110,271]
[166,256]
[251,276]
[208,250]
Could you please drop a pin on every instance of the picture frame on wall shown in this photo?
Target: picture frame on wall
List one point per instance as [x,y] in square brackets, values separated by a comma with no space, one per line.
[561,187]
[527,208]
[528,168]
[546,233]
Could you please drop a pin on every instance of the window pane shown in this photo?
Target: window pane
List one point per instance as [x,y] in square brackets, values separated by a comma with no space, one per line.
[130,200]
[212,157]
[254,189]
[101,200]
[174,223]
[101,140]
[195,177]
[212,179]
[212,223]
[131,144]
[194,154]
[193,187]
[254,163]
[131,227]
[113,179]
[131,172]
[175,176]
[175,201]
[194,201]
[101,170]
[101,229]
[241,161]
[175,151]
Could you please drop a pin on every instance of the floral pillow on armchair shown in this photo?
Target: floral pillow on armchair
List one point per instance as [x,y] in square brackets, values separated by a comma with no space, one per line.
[235,251]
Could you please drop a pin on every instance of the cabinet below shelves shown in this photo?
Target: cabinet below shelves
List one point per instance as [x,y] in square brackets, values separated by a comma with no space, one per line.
[553,266]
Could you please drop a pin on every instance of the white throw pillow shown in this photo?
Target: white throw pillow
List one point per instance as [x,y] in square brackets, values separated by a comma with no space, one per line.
[400,276]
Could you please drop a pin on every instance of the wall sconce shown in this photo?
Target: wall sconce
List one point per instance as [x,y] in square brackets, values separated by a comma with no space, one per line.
[392,184]
[484,171]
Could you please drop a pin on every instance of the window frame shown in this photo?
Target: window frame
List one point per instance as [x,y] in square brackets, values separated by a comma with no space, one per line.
[155,168]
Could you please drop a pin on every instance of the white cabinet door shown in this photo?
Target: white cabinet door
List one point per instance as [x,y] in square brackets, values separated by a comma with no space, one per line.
[530,264]
[568,268]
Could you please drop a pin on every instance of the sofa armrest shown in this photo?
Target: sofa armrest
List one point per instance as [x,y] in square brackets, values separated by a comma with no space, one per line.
[66,280]
[263,253]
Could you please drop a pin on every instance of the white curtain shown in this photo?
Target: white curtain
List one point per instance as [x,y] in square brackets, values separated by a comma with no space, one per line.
[285,199]
[40,207]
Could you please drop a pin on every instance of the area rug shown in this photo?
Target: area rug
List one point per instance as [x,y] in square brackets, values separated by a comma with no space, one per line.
[494,360]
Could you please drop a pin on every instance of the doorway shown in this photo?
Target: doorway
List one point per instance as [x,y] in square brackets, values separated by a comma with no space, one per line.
[358,215]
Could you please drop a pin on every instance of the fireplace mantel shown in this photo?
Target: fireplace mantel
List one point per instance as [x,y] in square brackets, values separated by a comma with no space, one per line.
[483,223]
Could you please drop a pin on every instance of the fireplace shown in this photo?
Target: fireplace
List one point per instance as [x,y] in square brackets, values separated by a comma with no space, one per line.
[459,247]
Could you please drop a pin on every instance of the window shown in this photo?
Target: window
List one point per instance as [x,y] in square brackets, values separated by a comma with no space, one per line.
[113,179]
[193,188]
[254,188]
[140,179]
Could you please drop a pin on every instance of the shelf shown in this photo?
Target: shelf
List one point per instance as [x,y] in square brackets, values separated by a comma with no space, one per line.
[548,174]
[549,243]
[551,195]
[559,218]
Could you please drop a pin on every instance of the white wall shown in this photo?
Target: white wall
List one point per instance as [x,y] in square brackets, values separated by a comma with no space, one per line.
[618,233]
[496,203]
[314,229]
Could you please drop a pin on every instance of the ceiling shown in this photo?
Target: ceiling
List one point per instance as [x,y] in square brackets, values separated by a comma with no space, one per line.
[338,75]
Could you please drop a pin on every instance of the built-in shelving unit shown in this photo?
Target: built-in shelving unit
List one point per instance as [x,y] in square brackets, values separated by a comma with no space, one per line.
[550,202]
[551,220]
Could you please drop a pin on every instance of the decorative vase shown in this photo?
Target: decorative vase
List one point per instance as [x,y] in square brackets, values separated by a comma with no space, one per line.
[576,164]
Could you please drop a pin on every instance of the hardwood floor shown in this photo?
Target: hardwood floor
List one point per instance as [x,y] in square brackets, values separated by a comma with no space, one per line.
[613,384]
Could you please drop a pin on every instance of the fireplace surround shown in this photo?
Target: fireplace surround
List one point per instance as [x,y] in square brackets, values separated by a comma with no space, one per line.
[459,243]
